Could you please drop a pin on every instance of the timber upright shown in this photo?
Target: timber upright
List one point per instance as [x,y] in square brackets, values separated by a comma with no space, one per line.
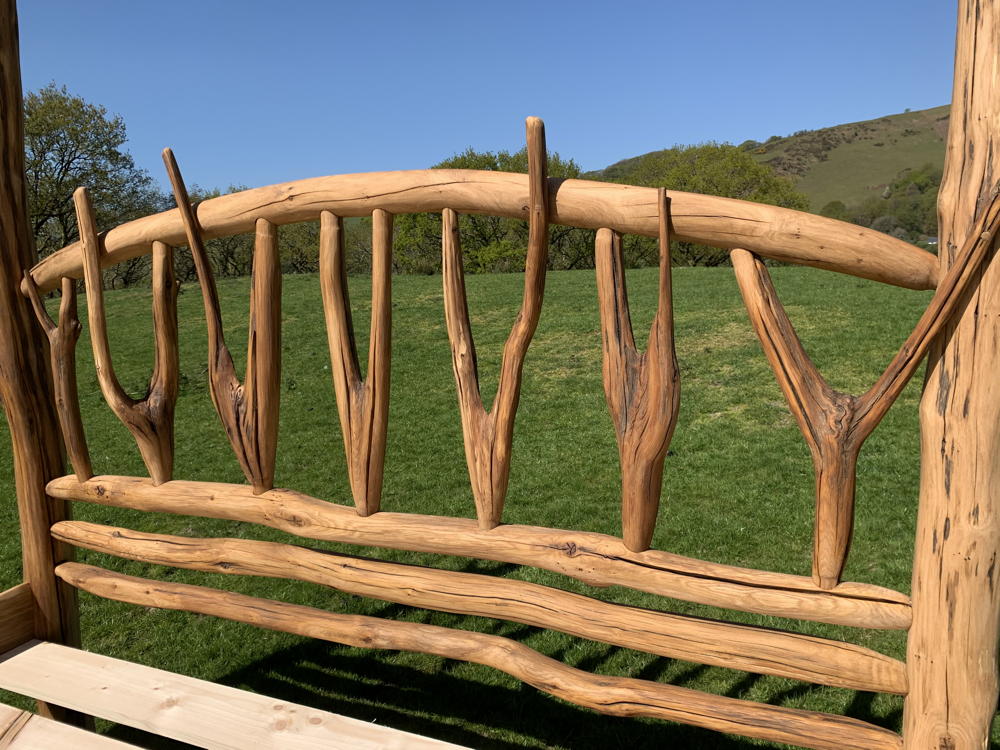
[949,680]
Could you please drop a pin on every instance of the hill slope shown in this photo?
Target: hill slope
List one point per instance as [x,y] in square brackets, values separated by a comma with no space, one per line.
[849,162]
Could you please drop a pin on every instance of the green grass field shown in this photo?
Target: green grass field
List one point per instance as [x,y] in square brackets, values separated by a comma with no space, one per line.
[738,489]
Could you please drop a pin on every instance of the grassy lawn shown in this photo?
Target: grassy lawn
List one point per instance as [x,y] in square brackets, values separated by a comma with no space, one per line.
[738,489]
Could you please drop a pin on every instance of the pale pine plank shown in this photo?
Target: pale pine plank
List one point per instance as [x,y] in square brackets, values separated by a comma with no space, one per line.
[186,709]
[22,730]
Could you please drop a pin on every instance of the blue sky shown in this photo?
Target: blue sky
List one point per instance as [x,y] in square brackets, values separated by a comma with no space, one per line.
[258,92]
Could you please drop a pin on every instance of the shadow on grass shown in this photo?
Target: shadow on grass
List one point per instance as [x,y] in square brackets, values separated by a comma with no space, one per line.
[447,705]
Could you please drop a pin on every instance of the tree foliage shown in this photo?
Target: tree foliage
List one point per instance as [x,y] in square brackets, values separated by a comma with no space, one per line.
[489,243]
[69,143]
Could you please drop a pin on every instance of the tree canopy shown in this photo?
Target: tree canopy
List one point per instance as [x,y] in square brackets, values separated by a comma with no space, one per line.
[69,143]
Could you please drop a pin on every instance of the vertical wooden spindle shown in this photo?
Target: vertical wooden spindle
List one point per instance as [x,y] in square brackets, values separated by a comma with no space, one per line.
[249,413]
[488,435]
[363,405]
[151,419]
[62,359]
[642,390]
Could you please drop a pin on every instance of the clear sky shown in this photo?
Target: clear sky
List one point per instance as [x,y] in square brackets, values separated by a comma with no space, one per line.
[252,92]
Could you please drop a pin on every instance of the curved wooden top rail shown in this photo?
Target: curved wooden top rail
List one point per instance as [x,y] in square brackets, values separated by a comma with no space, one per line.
[778,233]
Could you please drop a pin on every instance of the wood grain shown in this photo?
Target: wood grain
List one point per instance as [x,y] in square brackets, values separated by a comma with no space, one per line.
[17,617]
[192,711]
[618,696]
[363,405]
[488,435]
[25,379]
[249,410]
[834,424]
[597,559]
[151,418]
[23,730]
[699,640]
[770,231]
[642,390]
[62,359]
[952,649]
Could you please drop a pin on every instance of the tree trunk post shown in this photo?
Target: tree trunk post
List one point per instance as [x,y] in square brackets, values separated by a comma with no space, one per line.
[25,382]
[952,647]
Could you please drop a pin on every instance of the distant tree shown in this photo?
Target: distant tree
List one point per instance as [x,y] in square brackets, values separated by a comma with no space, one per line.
[69,143]
[713,169]
[836,210]
[489,243]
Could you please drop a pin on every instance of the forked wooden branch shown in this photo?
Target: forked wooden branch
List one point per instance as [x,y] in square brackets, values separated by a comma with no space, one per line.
[642,390]
[834,424]
[248,411]
[62,358]
[488,435]
[363,405]
[150,419]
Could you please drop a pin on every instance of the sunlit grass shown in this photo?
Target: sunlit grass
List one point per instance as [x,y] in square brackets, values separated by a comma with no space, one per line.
[738,489]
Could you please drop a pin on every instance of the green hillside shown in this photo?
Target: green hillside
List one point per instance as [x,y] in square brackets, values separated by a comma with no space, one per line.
[849,163]
[858,160]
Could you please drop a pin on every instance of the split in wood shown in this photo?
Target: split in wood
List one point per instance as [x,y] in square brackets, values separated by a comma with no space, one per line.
[835,424]
[488,435]
[248,410]
[62,357]
[363,405]
[642,390]
[151,419]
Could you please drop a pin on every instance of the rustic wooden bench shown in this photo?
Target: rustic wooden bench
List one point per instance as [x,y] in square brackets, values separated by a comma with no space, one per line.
[949,677]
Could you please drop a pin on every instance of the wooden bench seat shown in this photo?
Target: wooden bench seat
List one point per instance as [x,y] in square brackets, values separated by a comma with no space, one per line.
[171,705]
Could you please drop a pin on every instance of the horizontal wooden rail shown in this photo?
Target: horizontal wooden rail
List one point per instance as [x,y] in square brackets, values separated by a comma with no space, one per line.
[779,233]
[17,617]
[23,730]
[597,559]
[618,696]
[764,651]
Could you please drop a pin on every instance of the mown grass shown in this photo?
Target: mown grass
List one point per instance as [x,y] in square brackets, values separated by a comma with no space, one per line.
[738,489]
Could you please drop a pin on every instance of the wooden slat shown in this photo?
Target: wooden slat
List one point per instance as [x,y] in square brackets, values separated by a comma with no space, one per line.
[17,616]
[751,649]
[488,435]
[151,419]
[618,696]
[362,405]
[779,233]
[249,410]
[597,559]
[23,730]
[189,710]
[642,390]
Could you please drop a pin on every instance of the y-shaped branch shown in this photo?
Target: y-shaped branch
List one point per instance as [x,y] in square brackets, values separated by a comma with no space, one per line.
[642,390]
[62,357]
[150,420]
[248,411]
[363,405]
[835,425]
[488,436]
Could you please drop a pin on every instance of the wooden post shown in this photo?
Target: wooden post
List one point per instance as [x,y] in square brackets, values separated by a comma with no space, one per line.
[952,649]
[25,382]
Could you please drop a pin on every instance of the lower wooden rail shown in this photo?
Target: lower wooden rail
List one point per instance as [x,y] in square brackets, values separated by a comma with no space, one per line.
[597,559]
[793,655]
[23,730]
[618,696]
